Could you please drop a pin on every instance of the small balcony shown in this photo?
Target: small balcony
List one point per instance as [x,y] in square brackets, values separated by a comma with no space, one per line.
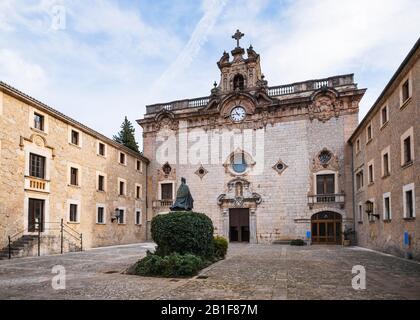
[37,184]
[162,205]
[326,199]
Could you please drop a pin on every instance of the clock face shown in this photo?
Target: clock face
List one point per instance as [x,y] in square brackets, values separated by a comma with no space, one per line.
[238,114]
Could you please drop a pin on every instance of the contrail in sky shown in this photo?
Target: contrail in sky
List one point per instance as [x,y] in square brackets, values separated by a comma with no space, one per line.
[191,49]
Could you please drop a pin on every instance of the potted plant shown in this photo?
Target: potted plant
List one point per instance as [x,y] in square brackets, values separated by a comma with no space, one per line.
[347,233]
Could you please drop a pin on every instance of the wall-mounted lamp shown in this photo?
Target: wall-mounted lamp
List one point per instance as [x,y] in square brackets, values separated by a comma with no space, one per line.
[115,215]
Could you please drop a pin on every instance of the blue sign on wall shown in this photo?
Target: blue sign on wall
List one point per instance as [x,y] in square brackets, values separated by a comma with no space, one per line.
[406,239]
[308,234]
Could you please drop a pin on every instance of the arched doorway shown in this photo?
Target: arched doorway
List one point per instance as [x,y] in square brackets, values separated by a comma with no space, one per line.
[326,228]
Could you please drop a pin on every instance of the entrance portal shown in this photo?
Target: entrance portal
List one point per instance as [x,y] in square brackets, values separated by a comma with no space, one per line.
[326,228]
[239,225]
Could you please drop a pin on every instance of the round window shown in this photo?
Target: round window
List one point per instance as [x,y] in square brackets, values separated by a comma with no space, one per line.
[325,156]
[280,166]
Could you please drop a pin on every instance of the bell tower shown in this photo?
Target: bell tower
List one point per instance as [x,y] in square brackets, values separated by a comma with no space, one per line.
[239,73]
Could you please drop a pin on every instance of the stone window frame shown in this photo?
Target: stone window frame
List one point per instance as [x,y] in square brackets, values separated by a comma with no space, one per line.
[80,138]
[385,151]
[140,221]
[160,188]
[124,222]
[384,123]
[100,173]
[138,185]
[369,125]
[79,175]
[125,191]
[360,212]
[408,78]
[46,153]
[32,112]
[141,165]
[362,185]
[374,209]
[105,155]
[358,144]
[100,205]
[406,188]
[125,158]
[78,212]
[384,215]
[405,135]
[323,172]
[370,164]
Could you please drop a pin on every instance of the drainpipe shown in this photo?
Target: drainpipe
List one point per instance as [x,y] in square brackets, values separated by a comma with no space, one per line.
[353,194]
[147,205]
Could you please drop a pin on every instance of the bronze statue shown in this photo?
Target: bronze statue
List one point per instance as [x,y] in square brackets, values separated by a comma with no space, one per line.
[184,200]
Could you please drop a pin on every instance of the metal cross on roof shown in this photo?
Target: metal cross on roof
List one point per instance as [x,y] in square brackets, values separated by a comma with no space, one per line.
[237,36]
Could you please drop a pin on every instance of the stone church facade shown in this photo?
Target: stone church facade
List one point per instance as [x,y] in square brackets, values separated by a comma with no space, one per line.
[265,163]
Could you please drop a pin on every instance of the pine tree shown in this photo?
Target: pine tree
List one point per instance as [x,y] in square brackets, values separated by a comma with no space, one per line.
[126,135]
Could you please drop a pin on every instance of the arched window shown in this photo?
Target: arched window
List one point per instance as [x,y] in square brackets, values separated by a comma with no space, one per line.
[238,82]
[239,164]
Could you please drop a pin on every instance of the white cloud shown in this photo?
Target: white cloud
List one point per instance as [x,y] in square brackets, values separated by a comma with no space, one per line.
[20,73]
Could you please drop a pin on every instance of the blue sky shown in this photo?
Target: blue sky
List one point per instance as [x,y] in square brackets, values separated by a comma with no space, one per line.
[111,58]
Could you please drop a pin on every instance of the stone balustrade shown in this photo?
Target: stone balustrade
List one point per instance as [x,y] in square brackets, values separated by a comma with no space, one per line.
[275,91]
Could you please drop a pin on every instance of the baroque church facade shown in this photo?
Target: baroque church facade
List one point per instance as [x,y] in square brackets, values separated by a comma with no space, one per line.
[265,163]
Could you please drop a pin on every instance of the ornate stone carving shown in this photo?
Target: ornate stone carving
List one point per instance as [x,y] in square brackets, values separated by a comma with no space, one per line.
[325,159]
[239,194]
[324,105]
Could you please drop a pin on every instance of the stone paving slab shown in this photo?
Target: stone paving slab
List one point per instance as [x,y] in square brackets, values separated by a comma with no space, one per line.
[249,272]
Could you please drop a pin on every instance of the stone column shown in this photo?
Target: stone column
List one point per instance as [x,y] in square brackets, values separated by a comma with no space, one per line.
[225,223]
[252,226]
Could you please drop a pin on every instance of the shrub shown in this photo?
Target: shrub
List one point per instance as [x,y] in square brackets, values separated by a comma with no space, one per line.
[220,247]
[173,265]
[183,233]
[297,242]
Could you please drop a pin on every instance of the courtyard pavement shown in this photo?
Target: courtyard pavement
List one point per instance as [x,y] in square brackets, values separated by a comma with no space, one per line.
[248,272]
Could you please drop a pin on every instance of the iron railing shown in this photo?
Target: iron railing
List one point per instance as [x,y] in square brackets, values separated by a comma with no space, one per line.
[40,227]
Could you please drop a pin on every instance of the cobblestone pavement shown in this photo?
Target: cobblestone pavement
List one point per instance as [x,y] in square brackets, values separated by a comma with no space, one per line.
[249,272]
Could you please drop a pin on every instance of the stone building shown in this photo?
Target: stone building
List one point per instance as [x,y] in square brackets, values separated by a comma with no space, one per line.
[265,163]
[53,168]
[386,165]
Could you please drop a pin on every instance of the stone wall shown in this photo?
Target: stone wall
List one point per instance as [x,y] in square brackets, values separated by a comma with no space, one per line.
[388,236]
[284,213]
[18,138]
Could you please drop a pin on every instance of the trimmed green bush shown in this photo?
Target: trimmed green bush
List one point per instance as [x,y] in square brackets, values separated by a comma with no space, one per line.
[184,233]
[297,242]
[220,247]
[173,265]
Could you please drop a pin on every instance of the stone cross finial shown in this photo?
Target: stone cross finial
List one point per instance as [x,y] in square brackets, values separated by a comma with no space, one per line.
[237,36]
